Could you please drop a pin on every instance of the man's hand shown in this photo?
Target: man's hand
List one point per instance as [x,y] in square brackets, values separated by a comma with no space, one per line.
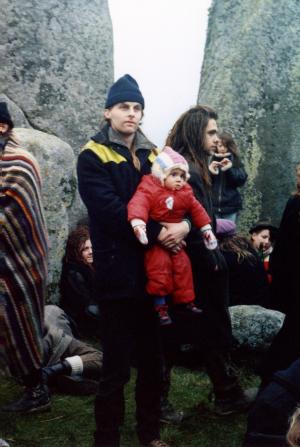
[172,235]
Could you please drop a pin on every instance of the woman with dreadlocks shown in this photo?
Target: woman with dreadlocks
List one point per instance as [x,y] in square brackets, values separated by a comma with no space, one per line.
[77,281]
[195,136]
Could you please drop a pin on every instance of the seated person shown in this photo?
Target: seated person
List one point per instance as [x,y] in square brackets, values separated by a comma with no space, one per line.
[76,282]
[77,365]
[268,419]
[248,283]
[263,236]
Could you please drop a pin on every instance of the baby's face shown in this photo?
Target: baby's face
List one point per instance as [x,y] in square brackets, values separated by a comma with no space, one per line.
[175,180]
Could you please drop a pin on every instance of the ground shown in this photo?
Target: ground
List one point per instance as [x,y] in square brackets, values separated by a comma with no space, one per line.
[70,423]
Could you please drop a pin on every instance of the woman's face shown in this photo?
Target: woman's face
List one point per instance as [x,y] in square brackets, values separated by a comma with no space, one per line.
[221,149]
[87,252]
[261,239]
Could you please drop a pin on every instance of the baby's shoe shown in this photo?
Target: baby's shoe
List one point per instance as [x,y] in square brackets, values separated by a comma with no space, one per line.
[163,315]
[193,308]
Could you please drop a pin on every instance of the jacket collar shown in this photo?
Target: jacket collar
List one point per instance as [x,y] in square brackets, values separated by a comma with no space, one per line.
[108,136]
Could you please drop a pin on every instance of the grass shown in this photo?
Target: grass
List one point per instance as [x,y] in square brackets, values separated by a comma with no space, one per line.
[70,423]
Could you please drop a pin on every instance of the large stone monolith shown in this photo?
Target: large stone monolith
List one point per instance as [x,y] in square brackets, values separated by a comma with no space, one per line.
[57,63]
[251,75]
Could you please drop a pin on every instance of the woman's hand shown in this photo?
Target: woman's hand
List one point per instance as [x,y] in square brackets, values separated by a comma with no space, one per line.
[214,167]
[172,235]
[225,164]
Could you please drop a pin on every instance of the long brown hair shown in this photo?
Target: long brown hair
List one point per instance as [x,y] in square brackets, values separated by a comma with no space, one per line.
[187,136]
[75,242]
[240,246]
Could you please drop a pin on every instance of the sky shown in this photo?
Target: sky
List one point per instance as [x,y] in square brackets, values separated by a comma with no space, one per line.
[160,43]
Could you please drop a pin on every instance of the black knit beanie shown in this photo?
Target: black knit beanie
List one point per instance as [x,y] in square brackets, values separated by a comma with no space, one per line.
[5,117]
[124,89]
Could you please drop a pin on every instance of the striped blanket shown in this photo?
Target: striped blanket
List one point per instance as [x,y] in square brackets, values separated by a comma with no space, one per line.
[23,260]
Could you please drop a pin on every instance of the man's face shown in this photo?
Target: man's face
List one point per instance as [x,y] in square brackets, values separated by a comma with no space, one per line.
[125,117]
[3,128]
[211,138]
[261,239]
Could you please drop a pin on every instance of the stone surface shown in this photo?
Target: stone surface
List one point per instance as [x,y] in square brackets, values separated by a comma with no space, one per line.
[251,75]
[56,160]
[254,327]
[18,117]
[57,63]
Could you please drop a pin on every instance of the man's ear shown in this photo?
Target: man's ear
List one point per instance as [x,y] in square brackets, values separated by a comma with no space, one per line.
[107,114]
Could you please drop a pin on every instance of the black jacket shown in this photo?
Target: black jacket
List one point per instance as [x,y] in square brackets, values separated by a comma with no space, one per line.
[248,282]
[285,259]
[211,287]
[225,195]
[107,179]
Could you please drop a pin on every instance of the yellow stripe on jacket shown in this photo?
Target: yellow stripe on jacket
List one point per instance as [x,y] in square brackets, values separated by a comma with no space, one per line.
[107,154]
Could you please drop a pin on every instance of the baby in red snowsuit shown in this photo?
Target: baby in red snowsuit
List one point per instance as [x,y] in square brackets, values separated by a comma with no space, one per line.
[165,196]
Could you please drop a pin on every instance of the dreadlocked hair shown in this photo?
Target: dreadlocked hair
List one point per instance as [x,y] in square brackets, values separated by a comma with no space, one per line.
[75,243]
[187,137]
[239,245]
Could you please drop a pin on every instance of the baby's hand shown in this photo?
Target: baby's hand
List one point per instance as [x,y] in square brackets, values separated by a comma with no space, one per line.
[140,232]
[210,240]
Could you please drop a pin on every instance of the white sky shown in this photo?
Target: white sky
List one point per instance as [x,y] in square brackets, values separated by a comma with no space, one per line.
[160,43]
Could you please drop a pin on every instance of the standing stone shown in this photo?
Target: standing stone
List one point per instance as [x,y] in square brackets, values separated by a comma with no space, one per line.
[57,63]
[251,76]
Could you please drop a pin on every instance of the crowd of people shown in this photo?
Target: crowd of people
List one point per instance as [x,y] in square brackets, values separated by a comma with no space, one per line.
[157,267]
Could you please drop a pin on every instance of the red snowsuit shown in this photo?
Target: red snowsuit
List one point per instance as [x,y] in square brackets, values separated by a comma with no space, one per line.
[167,273]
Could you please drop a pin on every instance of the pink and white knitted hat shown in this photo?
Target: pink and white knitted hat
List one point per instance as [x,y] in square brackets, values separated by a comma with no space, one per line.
[168,160]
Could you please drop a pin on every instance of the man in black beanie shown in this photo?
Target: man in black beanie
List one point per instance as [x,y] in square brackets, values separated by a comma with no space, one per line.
[110,167]
[23,268]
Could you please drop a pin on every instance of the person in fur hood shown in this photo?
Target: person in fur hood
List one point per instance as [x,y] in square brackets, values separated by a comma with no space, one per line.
[227,175]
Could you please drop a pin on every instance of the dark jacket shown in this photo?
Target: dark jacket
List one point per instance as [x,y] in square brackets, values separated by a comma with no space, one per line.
[248,282]
[211,287]
[107,179]
[225,195]
[285,259]
[76,291]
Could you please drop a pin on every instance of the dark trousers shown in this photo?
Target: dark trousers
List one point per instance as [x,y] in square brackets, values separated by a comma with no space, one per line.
[127,326]
[191,328]
[284,350]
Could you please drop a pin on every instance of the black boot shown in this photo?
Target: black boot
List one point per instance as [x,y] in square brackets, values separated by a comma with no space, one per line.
[229,395]
[168,414]
[35,398]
